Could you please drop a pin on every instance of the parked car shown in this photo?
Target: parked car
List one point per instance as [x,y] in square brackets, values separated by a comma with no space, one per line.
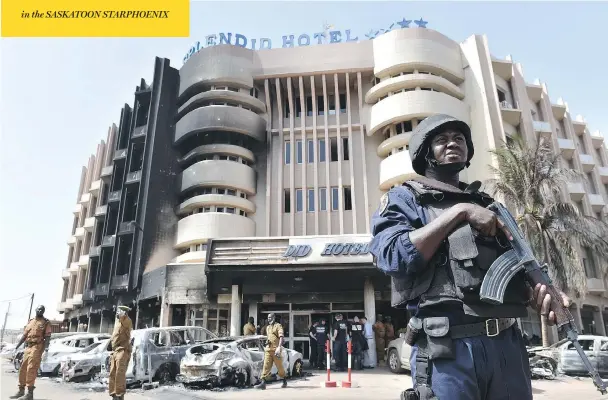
[398,355]
[232,361]
[157,352]
[61,344]
[86,364]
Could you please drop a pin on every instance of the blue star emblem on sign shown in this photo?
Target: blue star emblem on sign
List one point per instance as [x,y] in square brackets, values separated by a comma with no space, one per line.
[405,23]
[371,34]
[421,23]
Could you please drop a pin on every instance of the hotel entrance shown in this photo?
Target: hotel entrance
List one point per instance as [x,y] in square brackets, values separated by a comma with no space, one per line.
[297,318]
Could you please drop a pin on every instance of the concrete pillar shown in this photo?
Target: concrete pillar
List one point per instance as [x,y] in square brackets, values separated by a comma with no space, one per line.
[600,328]
[101,327]
[235,312]
[369,301]
[577,316]
[253,312]
[165,315]
[70,326]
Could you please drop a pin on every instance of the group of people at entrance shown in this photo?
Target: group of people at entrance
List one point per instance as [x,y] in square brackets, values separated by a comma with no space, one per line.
[37,338]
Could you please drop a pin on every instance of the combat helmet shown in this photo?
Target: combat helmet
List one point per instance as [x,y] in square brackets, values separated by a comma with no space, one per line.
[424,132]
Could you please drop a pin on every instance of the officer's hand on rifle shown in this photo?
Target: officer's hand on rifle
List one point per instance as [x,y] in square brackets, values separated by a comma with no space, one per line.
[541,301]
[484,220]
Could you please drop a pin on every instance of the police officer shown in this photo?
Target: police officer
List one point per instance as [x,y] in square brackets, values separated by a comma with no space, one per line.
[380,336]
[249,327]
[321,334]
[272,351]
[340,335]
[436,238]
[358,343]
[121,353]
[313,344]
[389,329]
[37,337]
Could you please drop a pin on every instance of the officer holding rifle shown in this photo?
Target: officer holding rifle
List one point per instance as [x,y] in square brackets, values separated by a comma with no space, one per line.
[436,238]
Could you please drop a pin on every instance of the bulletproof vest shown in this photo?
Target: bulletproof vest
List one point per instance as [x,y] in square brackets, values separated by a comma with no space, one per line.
[357,329]
[456,271]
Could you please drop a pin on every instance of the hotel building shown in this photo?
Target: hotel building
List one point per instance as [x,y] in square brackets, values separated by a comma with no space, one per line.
[279,160]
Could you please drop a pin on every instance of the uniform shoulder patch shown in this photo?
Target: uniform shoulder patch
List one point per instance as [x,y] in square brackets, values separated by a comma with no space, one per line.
[383,204]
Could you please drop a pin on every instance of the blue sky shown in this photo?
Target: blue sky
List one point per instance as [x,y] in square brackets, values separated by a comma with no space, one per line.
[58,97]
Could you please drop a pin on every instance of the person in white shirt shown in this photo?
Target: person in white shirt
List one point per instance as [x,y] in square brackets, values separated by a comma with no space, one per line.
[369,356]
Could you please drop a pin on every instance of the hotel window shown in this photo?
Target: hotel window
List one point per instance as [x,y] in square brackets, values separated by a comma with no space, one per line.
[311,200]
[299,200]
[299,151]
[342,104]
[231,192]
[309,109]
[221,191]
[253,92]
[230,210]
[331,100]
[348,202]
[335,203]
[297,106]
[320,105]
[243,213]
[321,150]
[333,149]
[310,151]
[243,195]
[286,201]
[287,152]
[345,153]
[219,209]
[322,199]
[589,263]
[591,184]
[402,127]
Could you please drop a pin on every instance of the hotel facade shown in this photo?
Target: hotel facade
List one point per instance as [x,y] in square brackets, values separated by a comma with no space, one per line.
[261,170]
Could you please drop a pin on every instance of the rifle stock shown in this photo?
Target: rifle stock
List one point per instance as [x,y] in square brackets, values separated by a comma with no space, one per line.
[519,258]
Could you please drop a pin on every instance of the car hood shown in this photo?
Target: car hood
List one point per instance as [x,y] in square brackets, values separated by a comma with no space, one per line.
[203,354]
[78,357]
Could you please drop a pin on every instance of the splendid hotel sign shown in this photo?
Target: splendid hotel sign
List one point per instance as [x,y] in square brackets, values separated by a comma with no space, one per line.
[353,249]
[304,39]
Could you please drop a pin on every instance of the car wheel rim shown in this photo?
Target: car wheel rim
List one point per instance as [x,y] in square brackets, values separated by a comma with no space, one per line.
[393,361]
[298,368]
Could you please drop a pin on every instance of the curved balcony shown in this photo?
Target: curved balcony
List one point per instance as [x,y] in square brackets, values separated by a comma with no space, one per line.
[223,96]
[206,200]
[220,173]
[217,65]
[412,81]
[409,49]
[226,149]
[395,142]
[197,228]
[395,170]
[192,257]
[221,118]
[417,104]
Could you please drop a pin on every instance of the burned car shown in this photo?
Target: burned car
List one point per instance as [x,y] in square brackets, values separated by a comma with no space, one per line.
[157,352]
[86,364]
[232,361]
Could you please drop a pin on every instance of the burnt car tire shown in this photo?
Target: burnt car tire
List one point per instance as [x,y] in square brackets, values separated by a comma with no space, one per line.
[394,362]
[298,369]
[241,378]
[165,374]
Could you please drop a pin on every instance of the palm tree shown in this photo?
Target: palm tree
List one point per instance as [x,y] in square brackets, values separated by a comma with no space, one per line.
[529,179]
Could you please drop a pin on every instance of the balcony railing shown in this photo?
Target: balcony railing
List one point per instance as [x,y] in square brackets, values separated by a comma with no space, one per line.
[140,131]
[114,196]
[88,295]
[95,251]
[108,241]
[133,177]
[102,289]
[120,154]
[106,172]
[120,282]
[542,126]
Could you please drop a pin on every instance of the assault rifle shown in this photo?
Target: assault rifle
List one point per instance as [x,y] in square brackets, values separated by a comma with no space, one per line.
[519,258]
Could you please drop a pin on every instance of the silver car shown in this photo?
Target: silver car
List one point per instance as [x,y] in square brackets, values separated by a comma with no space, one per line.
[86,364]
[568,360]
[398,355]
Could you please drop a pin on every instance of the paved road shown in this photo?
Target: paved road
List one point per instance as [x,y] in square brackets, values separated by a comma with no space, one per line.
[373,384]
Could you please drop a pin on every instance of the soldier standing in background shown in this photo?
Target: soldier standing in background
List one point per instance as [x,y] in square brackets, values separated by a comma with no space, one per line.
[272,351]
[312,339]
[121,353]
[249,327]
[389,329]
[380,336]
[37,336]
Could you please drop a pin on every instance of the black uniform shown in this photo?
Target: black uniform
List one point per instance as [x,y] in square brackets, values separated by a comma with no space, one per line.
[321,334]
[313,347]
[359,344]
[340,355]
